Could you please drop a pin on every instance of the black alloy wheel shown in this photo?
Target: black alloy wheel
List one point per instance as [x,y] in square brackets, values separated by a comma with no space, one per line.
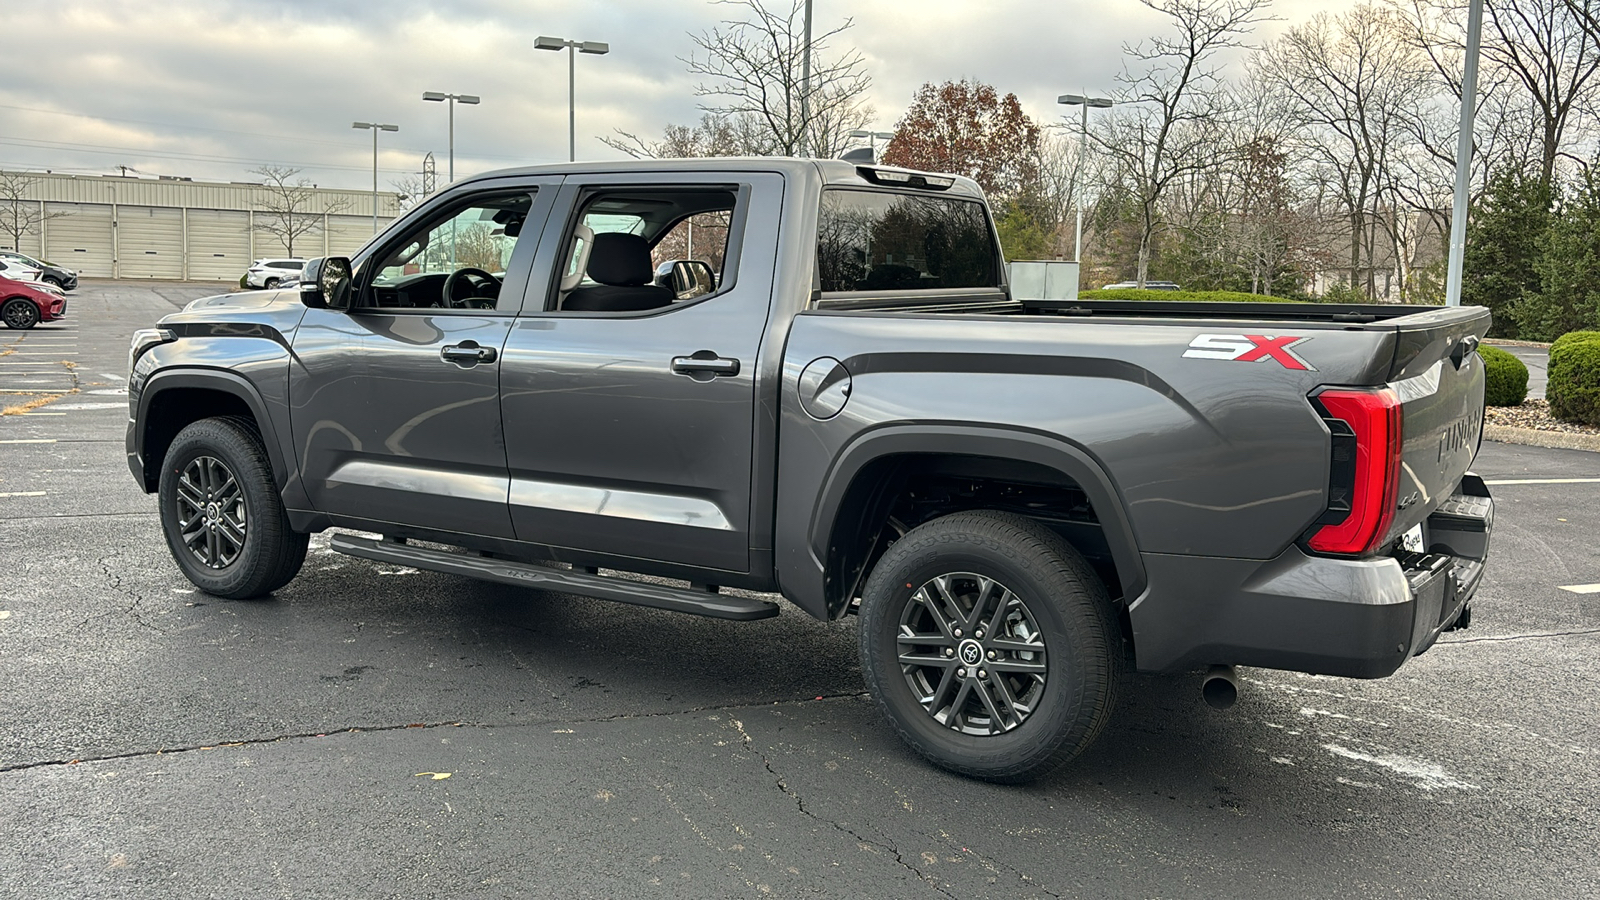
[212,516]
[20,314]
[991,645]
[972,653]
[220,510]
[51,279]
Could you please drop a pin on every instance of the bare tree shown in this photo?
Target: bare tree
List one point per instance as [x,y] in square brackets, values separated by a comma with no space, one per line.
[20,216]
[754,68]
[1356,84]
[716,135]
[1172,133]
[288,211]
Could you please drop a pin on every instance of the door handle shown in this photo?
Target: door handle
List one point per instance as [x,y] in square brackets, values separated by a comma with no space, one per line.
[704,365]
[467,353]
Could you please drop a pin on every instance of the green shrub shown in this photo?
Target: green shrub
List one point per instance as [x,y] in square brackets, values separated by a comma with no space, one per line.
[1574,386]
[241,280]
[1575,337]
[1505,378]
[1201,296]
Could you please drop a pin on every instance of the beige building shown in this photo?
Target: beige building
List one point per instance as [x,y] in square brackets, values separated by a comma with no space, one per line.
[109,226]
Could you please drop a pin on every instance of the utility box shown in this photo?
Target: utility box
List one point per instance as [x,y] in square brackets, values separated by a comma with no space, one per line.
[1043,279]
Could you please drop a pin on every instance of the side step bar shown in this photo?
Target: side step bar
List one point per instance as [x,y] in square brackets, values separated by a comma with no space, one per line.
[658,596]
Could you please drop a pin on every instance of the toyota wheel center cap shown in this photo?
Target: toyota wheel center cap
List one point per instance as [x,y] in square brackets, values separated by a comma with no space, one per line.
[970,651]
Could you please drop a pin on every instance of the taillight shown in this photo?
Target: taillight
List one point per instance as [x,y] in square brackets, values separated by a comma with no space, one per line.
[1366,469]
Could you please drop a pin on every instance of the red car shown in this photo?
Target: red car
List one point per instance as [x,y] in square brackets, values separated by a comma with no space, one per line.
[24,305]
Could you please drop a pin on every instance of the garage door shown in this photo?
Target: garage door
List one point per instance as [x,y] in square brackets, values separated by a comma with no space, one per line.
[150,242]
[347,234]
[219,244]
[78,236]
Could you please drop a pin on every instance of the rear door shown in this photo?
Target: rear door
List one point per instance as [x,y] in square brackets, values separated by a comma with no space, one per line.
[629,433]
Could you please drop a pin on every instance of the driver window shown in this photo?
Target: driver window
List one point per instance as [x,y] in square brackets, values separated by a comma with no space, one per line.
[456,261]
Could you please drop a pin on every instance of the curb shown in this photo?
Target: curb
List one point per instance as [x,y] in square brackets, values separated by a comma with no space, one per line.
[1533,437]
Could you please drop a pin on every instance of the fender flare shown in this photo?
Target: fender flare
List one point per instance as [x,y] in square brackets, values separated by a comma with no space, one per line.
[1047,450]
[226,382]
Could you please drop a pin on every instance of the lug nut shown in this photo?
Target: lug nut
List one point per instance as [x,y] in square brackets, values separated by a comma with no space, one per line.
[961,673]
[978,634]
[991,654]
[982,674]
[958,632]
[949,651]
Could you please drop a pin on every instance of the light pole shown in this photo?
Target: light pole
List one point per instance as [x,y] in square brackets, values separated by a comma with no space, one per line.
[376,127]
[1084,101]
[872,138]
[805,86]
[468,99]
[1458,215]
[573,48]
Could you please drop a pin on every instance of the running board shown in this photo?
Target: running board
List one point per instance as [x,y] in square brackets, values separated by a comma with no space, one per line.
[659,596]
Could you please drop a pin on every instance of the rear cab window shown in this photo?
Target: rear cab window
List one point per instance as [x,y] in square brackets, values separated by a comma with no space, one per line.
[874,243]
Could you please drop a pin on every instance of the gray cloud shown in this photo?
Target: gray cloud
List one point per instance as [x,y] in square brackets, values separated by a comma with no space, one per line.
[212,88]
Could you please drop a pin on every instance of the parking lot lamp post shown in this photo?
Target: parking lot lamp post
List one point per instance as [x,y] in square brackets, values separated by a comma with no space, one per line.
[573,48]
[1083,146]
[376,127]
[469,100]
[872,138]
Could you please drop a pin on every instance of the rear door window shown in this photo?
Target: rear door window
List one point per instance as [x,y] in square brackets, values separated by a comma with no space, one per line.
[886,241]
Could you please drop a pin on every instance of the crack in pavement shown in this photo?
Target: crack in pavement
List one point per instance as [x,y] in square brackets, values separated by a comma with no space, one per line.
[133,608]
[1530,636]
[360,729]
[800,804]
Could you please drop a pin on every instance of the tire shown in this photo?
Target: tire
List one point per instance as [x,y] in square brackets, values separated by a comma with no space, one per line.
[270,283]
[19,313]
[217,488]
[1011,727]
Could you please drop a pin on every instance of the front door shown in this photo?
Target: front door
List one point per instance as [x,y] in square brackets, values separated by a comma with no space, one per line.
[396,402]
[629,397]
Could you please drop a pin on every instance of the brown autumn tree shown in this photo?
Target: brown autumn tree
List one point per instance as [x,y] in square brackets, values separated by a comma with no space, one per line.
[967,128]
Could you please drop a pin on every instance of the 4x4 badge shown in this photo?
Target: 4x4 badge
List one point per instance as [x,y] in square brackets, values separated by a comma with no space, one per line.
[1250,348]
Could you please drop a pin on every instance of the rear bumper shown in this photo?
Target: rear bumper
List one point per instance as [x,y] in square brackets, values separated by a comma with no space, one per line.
[1360,618]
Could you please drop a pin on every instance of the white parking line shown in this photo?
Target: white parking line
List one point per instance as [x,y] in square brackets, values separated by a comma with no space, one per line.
[1544,481]
[23,494]
[31,441]
[1582,588]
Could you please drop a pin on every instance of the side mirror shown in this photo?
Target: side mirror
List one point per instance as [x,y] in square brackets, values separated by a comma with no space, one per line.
[325,283]
[687,278]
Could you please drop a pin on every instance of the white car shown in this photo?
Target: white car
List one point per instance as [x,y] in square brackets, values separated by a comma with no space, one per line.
[17,271]
[272,272]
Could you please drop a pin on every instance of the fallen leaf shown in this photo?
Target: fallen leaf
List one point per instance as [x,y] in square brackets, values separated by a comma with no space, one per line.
[437,776]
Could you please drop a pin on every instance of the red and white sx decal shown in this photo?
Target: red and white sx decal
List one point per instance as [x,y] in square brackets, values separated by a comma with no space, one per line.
[1250,348]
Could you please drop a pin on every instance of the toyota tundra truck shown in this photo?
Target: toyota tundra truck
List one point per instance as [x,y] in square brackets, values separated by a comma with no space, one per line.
[656,381]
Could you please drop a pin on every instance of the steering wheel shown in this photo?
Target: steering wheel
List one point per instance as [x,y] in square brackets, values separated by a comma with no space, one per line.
[477,279]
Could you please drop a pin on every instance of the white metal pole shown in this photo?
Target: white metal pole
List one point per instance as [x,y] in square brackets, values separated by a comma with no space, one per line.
[1458,214]
[374,177]
[1077,186]
[805,87]
[452,102]
[572,101]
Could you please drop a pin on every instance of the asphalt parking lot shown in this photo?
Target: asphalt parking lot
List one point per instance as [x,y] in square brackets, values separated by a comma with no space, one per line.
[373,731]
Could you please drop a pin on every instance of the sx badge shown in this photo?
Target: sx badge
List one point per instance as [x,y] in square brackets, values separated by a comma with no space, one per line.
[1250,348]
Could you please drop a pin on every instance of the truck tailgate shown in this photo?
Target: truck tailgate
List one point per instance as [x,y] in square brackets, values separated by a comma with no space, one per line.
[1439,379]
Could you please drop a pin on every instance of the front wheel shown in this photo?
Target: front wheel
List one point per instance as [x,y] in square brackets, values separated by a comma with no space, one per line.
[990,644]
[220,510]
[51,279]
[20,314]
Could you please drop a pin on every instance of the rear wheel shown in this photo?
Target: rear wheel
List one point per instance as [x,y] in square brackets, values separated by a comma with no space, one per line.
[990,644]
[19,313]
[271,283]
[221,513]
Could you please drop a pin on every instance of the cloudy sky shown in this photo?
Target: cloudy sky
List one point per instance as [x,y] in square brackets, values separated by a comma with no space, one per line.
[213,88]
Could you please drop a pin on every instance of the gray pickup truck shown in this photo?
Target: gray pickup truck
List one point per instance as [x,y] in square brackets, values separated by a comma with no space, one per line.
[650,381]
